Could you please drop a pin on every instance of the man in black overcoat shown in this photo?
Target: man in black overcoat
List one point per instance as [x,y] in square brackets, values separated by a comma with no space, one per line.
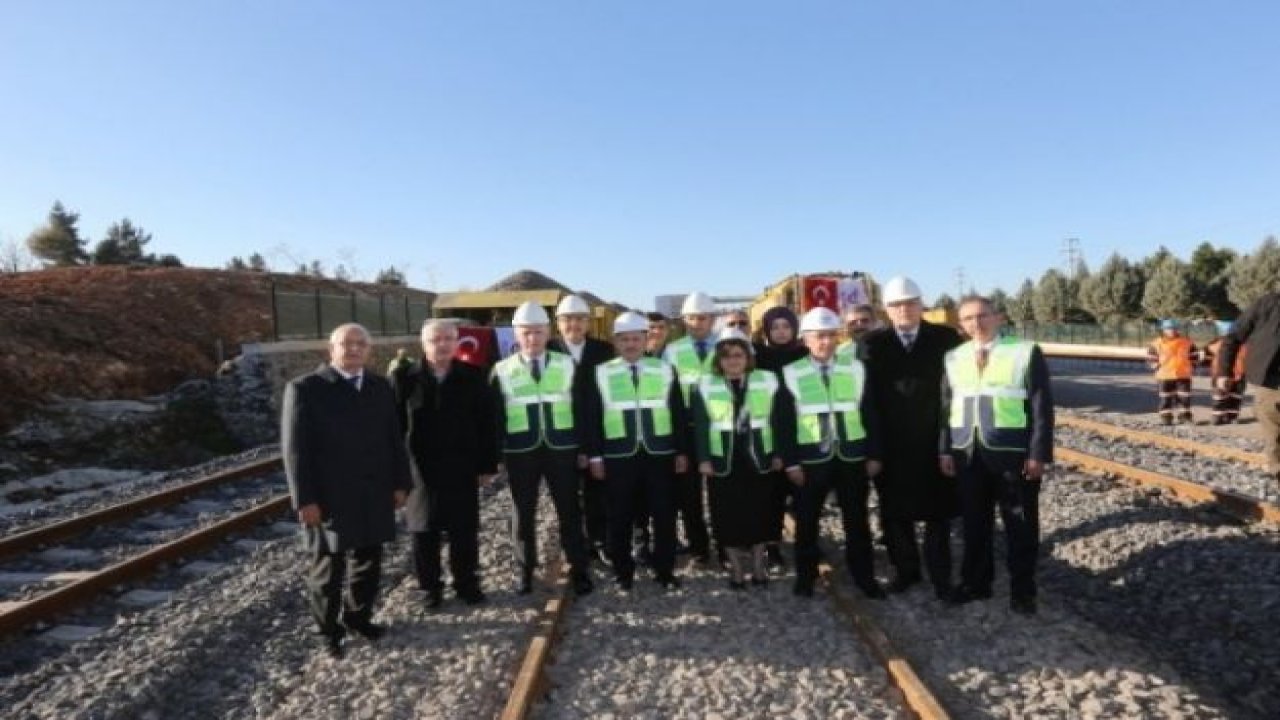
[904,371]
[345,460]
[573,316]
[448,418]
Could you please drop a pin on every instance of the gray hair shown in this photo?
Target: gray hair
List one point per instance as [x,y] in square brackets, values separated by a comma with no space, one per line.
[344,328]
[437,324]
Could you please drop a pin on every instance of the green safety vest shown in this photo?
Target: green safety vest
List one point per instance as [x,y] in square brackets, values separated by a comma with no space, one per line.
[994,403]
[537,412]
[719,434]
[683,355]
[636,417]
[834,412]
[847,349]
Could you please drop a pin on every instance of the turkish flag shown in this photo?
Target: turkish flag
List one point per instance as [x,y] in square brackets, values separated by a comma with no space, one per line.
[820,292]
[475,345]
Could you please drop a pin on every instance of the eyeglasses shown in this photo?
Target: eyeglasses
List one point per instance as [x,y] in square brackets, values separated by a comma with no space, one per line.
[736,323]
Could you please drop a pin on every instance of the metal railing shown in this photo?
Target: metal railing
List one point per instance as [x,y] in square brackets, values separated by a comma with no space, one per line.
[1127,334]
[313,315]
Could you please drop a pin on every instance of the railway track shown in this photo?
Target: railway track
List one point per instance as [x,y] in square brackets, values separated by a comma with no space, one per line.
[79,587]
[1241,505]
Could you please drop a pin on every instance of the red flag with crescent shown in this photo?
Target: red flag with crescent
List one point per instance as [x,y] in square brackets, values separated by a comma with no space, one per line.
[820,292]
[475,345]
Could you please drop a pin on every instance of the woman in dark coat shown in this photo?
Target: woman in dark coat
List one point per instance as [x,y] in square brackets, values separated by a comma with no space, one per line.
[781,332]
[733,413]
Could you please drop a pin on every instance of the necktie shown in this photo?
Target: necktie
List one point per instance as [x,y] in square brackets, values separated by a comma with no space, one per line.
[826,375]
[635,375]
[701,346]
[535,368]
[982,359]
[908,339]
[355,382]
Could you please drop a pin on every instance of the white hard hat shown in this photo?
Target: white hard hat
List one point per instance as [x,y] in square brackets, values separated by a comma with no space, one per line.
[899,289]
[530,313]
[698,303]
[630,322]
[819,319]
[572,305]
[733,334]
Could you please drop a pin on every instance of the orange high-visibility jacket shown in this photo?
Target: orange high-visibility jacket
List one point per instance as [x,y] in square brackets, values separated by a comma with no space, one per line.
[1173,356]
[1216,369]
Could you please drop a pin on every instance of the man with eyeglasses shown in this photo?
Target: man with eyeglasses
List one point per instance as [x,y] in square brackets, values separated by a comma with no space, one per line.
[738,320]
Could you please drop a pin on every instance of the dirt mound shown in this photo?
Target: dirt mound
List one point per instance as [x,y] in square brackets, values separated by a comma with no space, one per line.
[527,280]
[122,332]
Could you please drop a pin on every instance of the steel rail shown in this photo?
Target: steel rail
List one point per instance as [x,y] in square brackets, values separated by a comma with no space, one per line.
[53,532]
[57,602]
[1175,443]
[1243,507]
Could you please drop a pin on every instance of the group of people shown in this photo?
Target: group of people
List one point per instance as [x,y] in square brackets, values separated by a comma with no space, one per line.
[1173,356]
[631,437]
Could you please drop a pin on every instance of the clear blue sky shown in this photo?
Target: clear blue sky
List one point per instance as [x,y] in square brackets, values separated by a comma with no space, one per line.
[636,148]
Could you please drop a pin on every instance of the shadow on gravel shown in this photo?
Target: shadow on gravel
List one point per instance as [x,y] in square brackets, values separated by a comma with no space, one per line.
[1208,606]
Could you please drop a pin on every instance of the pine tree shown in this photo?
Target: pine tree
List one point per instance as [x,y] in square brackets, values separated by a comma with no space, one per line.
[1115,292]
[237,263]
[1254,275]
[257,263]
[125,244]
[1049,302]
[391,276]
[58,242]
[1209,281]
[945,302]
[999,301]
[1168,290]
[1022,308]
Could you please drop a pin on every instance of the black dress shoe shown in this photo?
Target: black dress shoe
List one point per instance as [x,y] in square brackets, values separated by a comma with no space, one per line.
[872,590]
[803,588]
[582,584]
[369,631]
[333,646]
[434,599]
[963,594]
[903,584]
[1023,605]
[472,596]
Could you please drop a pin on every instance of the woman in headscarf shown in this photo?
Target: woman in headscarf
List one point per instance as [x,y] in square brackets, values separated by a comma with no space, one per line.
[780,330]
[733,417]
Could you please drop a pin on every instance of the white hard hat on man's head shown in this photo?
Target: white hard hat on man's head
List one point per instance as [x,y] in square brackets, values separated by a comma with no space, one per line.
[899,289]
[698,303]
[572,305]
[530,313]
[820,319]
[630,322]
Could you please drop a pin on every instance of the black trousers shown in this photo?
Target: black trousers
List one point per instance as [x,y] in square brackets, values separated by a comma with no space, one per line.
[690,505]
[594,509]
[649,477]
[453,508]
[525,472]
[981,491]
[1175,395]
[904,553]
[1226,403]
[342,586]
[849,481]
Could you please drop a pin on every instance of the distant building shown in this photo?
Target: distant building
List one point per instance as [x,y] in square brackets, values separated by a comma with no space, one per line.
[669,305]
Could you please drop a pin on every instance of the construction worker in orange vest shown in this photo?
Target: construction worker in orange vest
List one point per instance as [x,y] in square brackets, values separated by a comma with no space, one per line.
[1173,356]
[1226,400]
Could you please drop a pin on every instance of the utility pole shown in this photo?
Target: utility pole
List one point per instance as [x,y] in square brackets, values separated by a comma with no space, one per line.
[959,273]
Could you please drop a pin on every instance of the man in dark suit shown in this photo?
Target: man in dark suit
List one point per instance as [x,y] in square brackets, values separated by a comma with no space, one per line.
[348,471]
[904,374]
[999,440]
[447,415]
[573,316]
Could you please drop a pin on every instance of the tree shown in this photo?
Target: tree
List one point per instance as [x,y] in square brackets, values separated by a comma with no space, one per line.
[945,302]
[1153,261]
[340,272]
[390,276]
[1168,290]
[237,263]
[316,269]
[1209,281]
[15,258]
[1049,302]
[1022,308]
[257,263]
[125,244]
[1254,275]
[999,301]
[168,260]
[1115,292]
[58,242]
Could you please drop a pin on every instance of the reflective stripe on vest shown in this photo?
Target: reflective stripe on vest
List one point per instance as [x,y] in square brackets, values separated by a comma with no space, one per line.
[684,357]
[551,399]
[645,407]
[838,408]
[757,408]
[992,402]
